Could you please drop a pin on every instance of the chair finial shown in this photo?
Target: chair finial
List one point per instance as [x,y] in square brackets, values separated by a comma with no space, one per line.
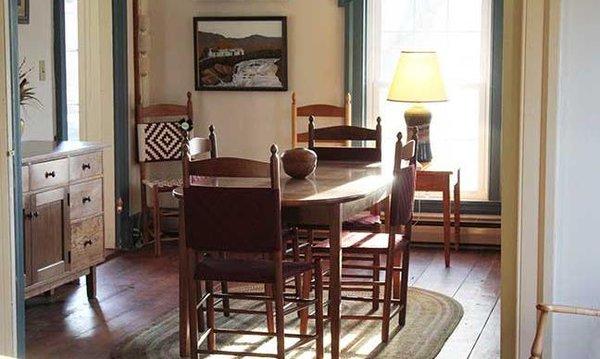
[211,128]
[274,149]
[189,95]
[378,120]
[415,135]
[294,97]
[399,136]
[311,119]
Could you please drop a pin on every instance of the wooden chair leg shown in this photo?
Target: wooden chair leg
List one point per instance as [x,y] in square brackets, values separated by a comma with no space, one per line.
[144,214]
[305,294]
[306,286]
[387,299]
[279,319]
[156,222]
[376,263]
[397,257]
[296,254]
[225,290]
[193,317]
[269,308]
[201,320]
[404,284]
[210,315]
[538,341]
[318,274]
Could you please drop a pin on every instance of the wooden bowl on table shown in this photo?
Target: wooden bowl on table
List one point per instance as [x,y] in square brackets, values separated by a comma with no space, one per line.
[299,162]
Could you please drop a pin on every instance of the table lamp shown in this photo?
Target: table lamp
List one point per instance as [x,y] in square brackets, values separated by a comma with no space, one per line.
[418,80]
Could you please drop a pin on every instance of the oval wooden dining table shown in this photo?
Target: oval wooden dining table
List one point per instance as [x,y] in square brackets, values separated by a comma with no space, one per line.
[334,193]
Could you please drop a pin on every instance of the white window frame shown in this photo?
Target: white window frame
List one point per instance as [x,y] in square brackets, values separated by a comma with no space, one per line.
[375,84]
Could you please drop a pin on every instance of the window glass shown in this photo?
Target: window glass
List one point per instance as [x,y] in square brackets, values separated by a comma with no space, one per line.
[72,64]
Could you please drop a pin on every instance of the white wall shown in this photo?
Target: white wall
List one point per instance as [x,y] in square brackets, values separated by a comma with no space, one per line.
[577,251]
[247,123]
[36,43]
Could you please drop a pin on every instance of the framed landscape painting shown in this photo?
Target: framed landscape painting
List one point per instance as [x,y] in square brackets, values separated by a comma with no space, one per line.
[240,53]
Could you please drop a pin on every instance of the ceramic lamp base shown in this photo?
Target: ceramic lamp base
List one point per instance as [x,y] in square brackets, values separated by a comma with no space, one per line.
[418,117]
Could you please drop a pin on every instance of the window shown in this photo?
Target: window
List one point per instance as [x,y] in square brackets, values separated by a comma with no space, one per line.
[460,31]
[72,68]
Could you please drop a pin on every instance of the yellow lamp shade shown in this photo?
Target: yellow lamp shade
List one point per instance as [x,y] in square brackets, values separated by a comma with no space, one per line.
[417,79]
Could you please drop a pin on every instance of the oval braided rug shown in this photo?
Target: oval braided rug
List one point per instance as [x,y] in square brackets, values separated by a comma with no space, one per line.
[431,318]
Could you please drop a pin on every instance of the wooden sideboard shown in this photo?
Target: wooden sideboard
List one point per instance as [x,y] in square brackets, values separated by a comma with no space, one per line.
[63,214]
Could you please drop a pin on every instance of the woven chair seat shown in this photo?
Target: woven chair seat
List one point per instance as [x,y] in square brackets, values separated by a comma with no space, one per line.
[361,242]
[167,183]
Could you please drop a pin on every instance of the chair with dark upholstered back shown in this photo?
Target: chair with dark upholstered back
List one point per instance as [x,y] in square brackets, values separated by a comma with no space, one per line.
[393,245]
[243,221]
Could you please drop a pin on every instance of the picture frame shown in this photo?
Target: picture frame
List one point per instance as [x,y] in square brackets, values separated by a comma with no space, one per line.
[246,53]
[23,11]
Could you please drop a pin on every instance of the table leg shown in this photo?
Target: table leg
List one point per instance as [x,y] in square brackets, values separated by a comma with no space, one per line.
[184,329]
[335,231]
[457,212]
[446,203]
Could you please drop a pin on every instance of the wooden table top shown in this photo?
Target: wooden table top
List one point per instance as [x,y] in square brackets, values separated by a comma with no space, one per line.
[332,182]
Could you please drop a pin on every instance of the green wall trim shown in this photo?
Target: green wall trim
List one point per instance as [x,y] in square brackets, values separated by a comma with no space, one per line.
[496,100]
[17,183]
[356,58]
[121,121]
[60,71]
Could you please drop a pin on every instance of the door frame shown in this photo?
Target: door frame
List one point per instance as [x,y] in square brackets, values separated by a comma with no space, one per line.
[530,81]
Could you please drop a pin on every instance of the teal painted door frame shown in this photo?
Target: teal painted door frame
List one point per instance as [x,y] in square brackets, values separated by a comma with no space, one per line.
[17,187]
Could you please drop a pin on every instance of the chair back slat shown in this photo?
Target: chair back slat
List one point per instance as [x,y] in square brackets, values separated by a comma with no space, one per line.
[230,167]
[163,110]
[359,154]
[345,133]
[239,220]
[199,145]
[144,114]
[321,110]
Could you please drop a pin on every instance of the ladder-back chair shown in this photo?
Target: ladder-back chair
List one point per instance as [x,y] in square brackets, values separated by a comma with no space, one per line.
[331,113]
[394,245]
[243,221]
[160,137]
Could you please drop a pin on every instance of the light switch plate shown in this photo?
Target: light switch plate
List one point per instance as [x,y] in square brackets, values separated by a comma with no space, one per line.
[42,68]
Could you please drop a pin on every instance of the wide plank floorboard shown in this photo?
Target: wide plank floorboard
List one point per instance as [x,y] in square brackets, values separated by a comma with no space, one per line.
[134,289]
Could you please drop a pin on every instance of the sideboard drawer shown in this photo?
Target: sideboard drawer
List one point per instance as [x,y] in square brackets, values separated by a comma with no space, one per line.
[49,174]
[25,178]
[85,166]
[87,245]
[86,199]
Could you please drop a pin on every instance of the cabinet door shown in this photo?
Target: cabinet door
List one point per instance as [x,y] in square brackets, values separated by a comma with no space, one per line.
[49,235]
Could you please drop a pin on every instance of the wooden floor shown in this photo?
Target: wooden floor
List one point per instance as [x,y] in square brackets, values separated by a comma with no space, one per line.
[136,288]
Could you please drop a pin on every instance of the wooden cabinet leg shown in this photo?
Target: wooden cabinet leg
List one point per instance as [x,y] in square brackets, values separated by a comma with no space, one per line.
[90,282]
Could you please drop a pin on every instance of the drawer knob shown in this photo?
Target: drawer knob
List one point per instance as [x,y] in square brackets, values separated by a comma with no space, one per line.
[29,215]
[87,243]
[86,166]
[50,174]
[86,199]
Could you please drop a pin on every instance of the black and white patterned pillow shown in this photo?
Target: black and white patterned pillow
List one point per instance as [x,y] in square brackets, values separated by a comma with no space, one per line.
[159,141]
